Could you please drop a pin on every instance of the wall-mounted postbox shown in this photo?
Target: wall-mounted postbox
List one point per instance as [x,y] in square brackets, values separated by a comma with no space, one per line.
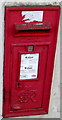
[29,50]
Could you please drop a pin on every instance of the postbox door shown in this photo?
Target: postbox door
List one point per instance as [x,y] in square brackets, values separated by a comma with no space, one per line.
[28,75]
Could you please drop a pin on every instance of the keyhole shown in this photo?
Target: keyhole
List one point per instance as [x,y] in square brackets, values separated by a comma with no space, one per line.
[18,84]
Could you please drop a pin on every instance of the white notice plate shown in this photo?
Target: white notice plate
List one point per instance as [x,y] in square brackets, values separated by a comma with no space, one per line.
[29,66]
[30,16]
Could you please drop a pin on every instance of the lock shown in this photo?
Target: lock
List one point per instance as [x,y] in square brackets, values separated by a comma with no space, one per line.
[30,48]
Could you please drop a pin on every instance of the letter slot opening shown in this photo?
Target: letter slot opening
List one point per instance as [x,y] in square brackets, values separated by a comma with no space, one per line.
[32,29]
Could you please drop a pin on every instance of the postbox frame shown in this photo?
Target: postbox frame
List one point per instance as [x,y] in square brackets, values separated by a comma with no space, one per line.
[47,85]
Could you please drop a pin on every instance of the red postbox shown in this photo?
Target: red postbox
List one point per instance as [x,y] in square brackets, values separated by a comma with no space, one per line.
[29,50]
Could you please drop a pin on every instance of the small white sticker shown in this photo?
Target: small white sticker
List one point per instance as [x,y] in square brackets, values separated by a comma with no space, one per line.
[30,16]
[29,66]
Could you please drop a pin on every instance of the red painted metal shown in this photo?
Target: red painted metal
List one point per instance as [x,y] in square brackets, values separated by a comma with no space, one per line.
[30,96]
